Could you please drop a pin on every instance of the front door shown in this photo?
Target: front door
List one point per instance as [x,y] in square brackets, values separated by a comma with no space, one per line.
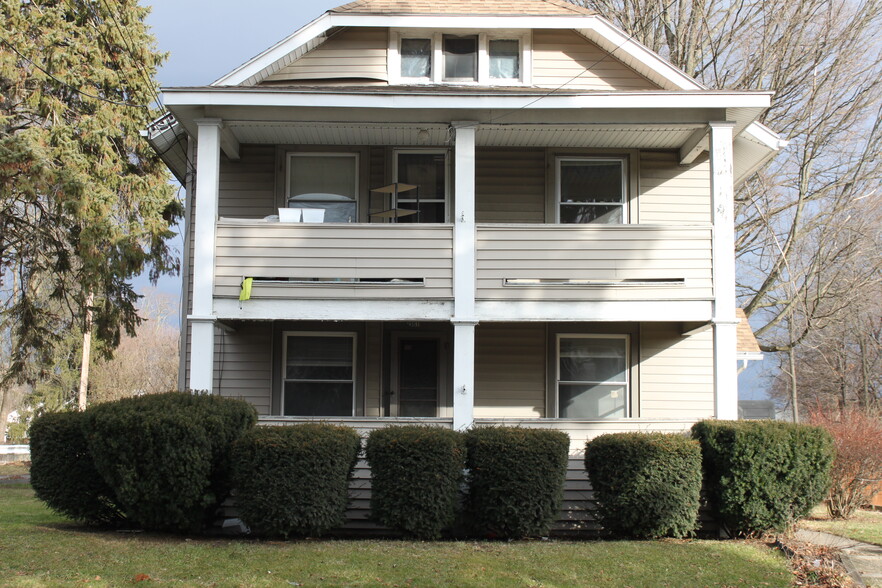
[416,376]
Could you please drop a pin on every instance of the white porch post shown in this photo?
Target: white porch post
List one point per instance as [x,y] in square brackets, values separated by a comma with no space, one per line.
[205,223]
[464,277]
[723,198]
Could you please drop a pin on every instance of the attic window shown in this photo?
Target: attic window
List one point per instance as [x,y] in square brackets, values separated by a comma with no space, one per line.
[460,58]
[505,59]
[416,58]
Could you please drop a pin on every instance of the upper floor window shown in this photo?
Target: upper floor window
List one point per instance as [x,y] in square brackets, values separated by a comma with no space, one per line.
[592,190]
[325,183]
[463,57]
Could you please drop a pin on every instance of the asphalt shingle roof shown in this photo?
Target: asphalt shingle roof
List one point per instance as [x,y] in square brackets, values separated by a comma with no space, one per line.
[473,7]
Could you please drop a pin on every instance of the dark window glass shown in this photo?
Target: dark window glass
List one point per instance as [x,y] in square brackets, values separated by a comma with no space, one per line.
[460,58]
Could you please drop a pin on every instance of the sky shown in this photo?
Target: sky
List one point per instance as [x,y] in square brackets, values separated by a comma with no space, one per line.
[206,39]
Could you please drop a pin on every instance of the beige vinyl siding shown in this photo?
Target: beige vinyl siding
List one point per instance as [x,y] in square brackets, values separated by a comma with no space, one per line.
[334,251]
[510,370]
[509,185]
[559,56]
[350,53]
[676,373]
[243,364]
[373,357]
[593,252]
[246,188]
[672,194]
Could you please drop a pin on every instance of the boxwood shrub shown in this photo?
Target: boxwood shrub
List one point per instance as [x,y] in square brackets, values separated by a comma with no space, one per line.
[763,475]
[166,456]
[646,485]
[294,480]
[516,479]
[415,478]
[63,474]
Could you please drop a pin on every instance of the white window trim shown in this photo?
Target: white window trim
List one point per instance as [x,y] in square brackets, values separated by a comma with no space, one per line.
[626,383]
[446,153]
[625,177]
[524,37]
[292,154]
[286,334]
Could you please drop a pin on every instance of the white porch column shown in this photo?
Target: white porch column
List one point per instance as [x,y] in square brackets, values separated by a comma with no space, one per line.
[205,223]
[723,198]
[464,276]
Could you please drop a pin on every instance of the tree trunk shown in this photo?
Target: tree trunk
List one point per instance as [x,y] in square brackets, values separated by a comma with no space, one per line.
[87,352]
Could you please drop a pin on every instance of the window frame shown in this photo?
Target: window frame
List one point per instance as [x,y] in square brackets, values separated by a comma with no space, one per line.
[290,155]
[436,64]
[625,338]
[625,183]
[353,335]
[446,153]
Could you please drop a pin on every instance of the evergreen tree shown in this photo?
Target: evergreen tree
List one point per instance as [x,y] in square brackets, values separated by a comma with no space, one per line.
[85,205]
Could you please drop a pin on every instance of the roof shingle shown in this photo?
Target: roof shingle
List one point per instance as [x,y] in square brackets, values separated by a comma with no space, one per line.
[471,7]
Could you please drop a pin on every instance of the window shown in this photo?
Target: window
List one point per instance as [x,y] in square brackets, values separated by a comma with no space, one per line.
[460,58]
[505,57]
[592,376]
[416,58]
[318,376]
[326,182]
[591,190]
[428,171]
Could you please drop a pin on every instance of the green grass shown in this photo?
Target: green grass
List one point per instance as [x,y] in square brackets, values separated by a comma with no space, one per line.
[865,525]
[39,548]
[14,469]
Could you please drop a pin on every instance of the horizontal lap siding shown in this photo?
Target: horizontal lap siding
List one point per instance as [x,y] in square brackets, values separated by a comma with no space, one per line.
[243,364]
[672,194]
[565,57]
[246,188]
[676,373]
[351,53]
[509,185]
[277,250]
[593,253]
[510,370]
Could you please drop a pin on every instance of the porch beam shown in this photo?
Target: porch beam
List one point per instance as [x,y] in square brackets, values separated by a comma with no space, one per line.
[229,144]
[694,146]
[464,276]
[725,321]
[205,223]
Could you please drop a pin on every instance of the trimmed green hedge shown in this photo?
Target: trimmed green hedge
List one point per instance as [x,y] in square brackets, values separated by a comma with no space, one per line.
[415,477]
[63,474]
[167,455]
[294,480]
[646,485]
[516,479]
[763,475]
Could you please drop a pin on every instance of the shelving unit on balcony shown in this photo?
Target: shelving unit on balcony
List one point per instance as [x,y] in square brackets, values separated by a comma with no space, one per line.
[392,211]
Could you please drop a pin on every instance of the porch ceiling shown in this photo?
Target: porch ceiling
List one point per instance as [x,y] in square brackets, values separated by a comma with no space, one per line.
[665,136]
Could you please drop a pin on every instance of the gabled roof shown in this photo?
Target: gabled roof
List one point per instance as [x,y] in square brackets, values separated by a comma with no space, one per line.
[484,7]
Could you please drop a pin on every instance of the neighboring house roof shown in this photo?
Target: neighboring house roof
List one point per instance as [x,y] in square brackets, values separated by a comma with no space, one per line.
[485,7]
[747,345]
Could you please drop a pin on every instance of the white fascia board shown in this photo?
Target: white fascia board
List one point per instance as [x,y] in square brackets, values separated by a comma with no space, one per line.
[333,310]
[659,100]
[763,134]
[278,51]
[615,40]
[594,310]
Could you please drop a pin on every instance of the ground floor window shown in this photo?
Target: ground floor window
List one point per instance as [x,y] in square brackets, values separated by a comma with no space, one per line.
[592,376]
[318,376]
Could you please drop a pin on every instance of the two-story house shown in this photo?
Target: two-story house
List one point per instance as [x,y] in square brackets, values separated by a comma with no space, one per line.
[463,212]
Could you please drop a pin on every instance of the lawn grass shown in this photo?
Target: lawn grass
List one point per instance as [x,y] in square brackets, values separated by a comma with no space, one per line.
[865,525]
[39,548]
[14,469]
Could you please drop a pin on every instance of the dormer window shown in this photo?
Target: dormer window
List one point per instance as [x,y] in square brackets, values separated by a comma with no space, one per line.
[460,57]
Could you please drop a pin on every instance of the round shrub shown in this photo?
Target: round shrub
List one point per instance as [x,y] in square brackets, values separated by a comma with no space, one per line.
[763,475]
[516,479]
[646,485]
[294,480]
[63,474]
[415,477]
[166,456]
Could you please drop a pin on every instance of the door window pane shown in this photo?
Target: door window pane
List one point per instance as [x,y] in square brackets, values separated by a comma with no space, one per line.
[416,58]
[319,376]
[591,191]
[505,58]
[460,57]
